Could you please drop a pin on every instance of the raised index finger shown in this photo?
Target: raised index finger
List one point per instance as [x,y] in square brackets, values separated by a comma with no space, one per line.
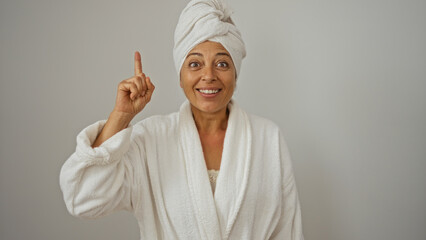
[138,64]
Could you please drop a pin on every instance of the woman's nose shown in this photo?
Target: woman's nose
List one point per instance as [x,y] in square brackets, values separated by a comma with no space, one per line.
[209,74]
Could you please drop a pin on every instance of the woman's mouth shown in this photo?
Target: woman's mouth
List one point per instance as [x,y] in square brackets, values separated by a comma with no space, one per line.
[208,92]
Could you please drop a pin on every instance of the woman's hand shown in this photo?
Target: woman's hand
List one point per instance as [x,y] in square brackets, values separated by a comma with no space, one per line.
[132,96]
[134,93]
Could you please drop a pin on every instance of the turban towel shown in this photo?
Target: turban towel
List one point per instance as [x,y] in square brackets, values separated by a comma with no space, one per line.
[203,20]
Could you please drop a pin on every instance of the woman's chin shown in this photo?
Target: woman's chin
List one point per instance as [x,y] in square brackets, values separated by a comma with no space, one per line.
[208,107]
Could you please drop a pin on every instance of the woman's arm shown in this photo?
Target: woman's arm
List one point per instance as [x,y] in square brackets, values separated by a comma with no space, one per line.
[103,173]
[99,181]
[132,96]
[116,122]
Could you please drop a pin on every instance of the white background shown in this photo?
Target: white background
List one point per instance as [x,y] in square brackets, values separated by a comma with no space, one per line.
[345,81]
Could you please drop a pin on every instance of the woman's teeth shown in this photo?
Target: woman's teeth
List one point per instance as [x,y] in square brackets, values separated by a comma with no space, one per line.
[209,91]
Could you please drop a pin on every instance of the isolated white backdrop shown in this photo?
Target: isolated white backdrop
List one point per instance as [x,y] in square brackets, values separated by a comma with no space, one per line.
[345,81]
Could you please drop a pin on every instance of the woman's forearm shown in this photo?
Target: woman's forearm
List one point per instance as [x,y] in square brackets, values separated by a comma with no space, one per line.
[116,122]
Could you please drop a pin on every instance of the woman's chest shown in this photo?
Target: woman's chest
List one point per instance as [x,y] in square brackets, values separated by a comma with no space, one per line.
[212,146]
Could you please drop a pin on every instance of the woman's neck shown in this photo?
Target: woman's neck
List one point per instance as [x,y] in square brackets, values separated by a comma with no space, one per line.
[209,123]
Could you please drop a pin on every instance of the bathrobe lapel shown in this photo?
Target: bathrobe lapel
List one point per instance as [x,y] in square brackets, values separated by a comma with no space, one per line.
[231,184]
[217,214]
[198,180]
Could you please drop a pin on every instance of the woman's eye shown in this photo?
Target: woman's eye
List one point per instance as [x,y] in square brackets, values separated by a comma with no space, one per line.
[194,64]
[222,64]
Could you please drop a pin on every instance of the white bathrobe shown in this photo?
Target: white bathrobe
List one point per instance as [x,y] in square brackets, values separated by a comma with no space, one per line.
[156,170]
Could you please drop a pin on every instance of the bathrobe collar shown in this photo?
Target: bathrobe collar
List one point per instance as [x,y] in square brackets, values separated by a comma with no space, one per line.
[217,214]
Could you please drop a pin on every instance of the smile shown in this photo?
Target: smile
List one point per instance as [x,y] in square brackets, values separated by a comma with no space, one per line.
[209,91]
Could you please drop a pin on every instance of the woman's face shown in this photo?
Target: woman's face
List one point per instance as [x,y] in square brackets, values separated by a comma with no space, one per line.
[208,77]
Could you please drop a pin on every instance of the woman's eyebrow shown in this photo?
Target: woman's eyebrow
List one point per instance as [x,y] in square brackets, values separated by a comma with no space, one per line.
[223,53]
[201,55]
[195,53]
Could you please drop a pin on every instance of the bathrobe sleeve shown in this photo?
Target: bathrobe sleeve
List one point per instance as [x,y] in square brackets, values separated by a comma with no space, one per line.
[98,181]
[290,224]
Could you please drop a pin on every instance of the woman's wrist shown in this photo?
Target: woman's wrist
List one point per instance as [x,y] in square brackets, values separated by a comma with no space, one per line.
[120,119]
[116,122]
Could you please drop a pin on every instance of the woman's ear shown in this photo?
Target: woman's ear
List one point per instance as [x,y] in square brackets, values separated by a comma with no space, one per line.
[180,81]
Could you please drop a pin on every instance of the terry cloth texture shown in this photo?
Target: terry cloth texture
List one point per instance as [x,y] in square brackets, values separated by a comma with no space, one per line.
[203,20]
[156,170]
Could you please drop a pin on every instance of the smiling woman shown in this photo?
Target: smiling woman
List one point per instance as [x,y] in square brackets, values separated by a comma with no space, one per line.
[163,168]
[208,78]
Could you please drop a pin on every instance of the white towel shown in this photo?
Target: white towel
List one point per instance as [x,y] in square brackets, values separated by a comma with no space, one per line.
[203,20]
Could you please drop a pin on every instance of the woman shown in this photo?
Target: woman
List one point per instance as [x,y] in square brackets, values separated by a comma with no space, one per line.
[159,168]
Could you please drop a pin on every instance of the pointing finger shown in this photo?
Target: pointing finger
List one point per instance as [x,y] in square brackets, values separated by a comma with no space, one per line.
[138,64]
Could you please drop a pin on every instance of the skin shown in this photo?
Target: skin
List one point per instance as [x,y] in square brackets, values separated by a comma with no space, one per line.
[133,94]
[207,66]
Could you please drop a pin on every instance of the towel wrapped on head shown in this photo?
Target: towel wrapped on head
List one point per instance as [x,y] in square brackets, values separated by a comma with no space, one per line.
[203,20]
